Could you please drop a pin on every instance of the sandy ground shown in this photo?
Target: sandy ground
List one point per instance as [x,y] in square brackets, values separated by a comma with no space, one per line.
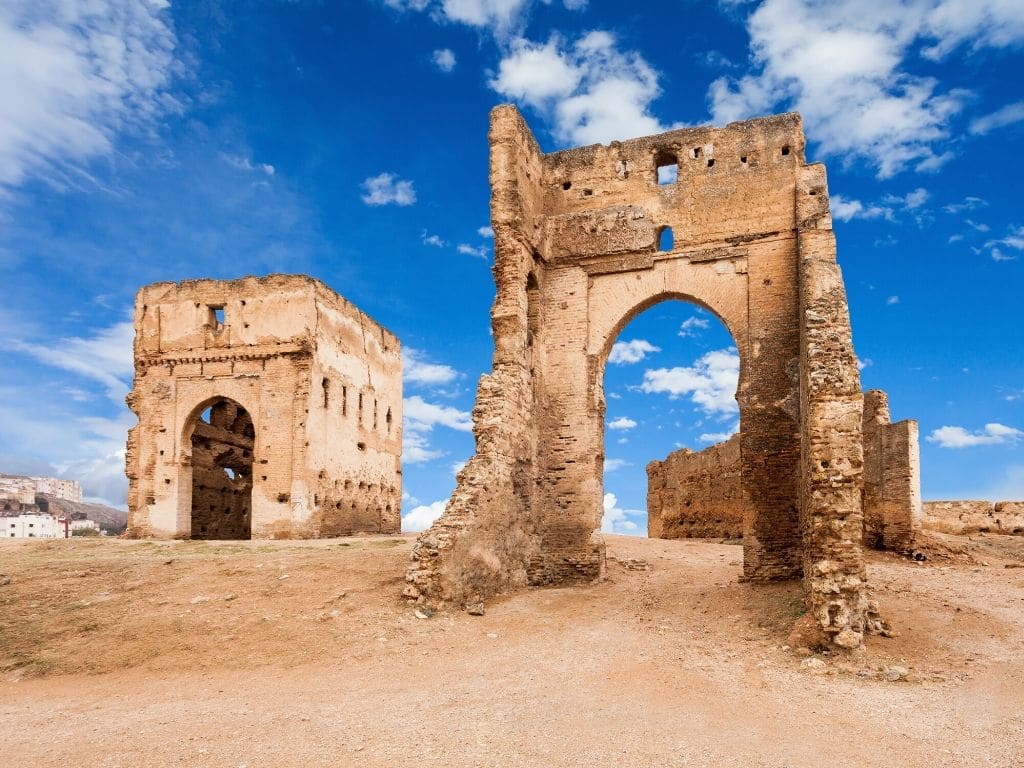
[118,653]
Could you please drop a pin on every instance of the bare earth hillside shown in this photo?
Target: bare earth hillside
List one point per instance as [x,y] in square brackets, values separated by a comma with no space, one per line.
[128,653]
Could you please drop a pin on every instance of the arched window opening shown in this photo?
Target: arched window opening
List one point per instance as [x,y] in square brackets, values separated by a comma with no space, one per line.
[223,439]
[671,467]
[666,240]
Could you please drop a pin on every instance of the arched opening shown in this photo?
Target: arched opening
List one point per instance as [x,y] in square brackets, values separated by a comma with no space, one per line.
[671,445]
[223,439]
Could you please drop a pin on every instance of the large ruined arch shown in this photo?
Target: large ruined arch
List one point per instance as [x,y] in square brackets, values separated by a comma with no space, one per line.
[221,440]
[663,419]
[579,249]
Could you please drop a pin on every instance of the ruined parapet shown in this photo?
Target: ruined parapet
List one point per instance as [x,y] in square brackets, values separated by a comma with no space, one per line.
[892,477]
[831,409]
[581,248]
[696,494]
[969,517]
[269,407]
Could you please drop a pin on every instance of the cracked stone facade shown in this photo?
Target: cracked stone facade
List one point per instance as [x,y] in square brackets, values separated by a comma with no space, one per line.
[268,407]
[578,255]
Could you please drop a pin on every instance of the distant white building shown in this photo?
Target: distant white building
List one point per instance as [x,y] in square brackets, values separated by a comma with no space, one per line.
[81,525]
[61,489]
[16,491]
[32,527]
[23,489]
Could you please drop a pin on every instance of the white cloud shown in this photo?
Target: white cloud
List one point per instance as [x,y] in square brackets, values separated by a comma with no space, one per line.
[621,423]
[863,363]
[432,240]
[105,357]
[628,352]
[719,437]
[863,104]
[74,75]
[387,188]
[422,517]
[911,201]
[616,520]
[469,250]
[500,17]
[969,204]
[417,370]
[485,232]
[892,300]
[421,416]
[589,90]
[444,59]
[458,465]
[416,448]
[1008,115]
[1015,240]
[611,465]
[844,209]
[692,326]
[244,163]
[711,382]
[958,437]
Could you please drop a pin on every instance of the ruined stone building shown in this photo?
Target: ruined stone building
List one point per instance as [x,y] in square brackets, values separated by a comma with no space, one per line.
[268,408]
[699,494]
[587,238]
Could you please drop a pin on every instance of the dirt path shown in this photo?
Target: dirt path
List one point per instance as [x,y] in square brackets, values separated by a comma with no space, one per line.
[111,660]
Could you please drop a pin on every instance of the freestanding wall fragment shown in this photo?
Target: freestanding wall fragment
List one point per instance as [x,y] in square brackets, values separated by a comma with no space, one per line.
[696,494]
[268,407]
[892,477]
[579,252]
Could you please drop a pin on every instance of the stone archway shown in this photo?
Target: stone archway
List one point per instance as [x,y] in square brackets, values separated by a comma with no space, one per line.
[222,440]
[581,247]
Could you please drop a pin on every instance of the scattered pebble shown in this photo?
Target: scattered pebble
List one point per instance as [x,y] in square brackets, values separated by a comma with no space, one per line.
[475,609]
[813,664]
[894,674]
[5,580]
[423,613]
[199,599]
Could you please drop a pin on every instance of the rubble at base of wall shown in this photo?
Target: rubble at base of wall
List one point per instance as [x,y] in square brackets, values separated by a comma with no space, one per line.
[967,517]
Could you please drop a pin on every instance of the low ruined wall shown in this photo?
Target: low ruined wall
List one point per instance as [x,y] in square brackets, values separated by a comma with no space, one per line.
[696,494]
[965,517]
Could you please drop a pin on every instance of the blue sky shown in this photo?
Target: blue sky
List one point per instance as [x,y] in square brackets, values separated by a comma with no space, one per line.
[143,140]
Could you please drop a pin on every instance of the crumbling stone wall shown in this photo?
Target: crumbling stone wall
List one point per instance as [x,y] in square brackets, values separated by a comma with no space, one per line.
[892,477]
[696,494]
[577,256]
[305,409]
[967,517]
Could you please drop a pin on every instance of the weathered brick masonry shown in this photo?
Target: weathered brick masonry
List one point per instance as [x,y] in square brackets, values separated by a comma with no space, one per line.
[576,258]
[700,494]
[696,494]
[268,407]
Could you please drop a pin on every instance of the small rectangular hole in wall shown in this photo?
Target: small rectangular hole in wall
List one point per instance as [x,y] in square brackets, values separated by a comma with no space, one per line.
[327,393]
[711,162]
[361,446]
[743,159]
[667,167]
[785,151]
[359,411]
[697,152]
[344,400]
[215,317]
